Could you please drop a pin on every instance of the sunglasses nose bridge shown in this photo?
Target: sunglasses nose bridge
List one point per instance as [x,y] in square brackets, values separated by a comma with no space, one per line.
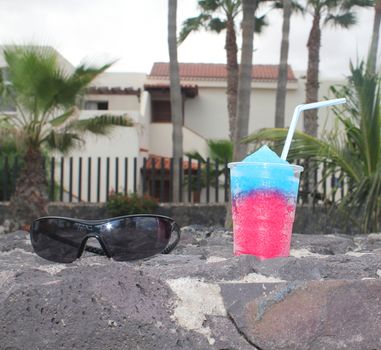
[98,238]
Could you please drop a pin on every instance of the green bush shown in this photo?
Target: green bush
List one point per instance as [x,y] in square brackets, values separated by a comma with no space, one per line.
[119,204]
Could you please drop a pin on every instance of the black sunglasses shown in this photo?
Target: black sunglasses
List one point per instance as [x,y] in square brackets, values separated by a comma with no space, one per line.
[122,238]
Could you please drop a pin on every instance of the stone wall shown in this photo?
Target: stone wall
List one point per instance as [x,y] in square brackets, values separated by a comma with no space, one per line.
[318,220]
[324,296]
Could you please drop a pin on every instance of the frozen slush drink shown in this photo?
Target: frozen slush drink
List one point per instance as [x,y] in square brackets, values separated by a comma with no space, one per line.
[264,191]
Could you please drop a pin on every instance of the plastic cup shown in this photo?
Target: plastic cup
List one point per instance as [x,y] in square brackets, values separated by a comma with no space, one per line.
[264,199]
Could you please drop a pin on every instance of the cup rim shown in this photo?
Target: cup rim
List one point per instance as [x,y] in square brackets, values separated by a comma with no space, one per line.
[298,168]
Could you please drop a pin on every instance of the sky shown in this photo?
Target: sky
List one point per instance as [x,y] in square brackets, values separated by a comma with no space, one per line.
[135,34]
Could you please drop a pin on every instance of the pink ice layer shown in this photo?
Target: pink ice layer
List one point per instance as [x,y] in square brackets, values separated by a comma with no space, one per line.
[263,224]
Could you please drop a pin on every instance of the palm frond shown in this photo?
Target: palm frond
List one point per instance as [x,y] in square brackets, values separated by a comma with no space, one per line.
[5,121]
[31,73]
[260,23]
[344,20]
[348,4]
[76,84]
[296,7]
[232,7]
[85,74]
[305,146]
[193,24]
[39,83]
[195,155]
[63,141]
[8,135]
[61,119]
[209,5]
[44,94]
[218,150]
[216,25]
[221,150]
[213,16]
[101,125]
[69,137]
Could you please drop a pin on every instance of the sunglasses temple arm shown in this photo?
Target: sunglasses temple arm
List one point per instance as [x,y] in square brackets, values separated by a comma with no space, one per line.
[172,245]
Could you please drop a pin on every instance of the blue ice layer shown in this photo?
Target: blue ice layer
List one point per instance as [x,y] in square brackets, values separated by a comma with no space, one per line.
[245,179]
[265,155]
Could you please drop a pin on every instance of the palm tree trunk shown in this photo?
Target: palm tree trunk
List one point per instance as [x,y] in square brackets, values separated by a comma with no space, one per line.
[372,59]
[232,74]
[30,199]
[175,92]
[312,84]
[244,89]
[283,67]
[245,78]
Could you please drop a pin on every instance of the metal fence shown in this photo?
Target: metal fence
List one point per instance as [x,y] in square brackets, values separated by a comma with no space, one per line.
[77,179]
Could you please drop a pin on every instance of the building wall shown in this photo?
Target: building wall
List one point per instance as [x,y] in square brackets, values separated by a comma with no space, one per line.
[326,117]
[120,79]
[120,143]
[161,140]
[263,105]
[117,102]
[207,113]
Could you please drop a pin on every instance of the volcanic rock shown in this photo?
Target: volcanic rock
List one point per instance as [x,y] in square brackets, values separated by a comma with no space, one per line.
[326,295]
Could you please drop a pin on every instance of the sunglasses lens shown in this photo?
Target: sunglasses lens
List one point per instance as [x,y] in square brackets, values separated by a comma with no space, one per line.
[136,237]
[56,239]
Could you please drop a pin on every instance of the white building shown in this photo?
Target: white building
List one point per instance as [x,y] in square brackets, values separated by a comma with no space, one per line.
[145,99]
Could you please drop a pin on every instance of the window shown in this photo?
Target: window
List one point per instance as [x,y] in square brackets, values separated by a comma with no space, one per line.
[161,111]
[96,105]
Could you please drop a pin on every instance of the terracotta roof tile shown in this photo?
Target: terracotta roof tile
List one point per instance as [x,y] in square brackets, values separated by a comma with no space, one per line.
[187,89]
[215,71]
[155,161]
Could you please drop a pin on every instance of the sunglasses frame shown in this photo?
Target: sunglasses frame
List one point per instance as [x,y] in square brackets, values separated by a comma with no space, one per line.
[92,226]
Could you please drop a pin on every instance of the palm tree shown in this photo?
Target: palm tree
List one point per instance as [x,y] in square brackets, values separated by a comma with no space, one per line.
[280,103]
[216,16]
[46,99]
[372,59]
[288,7]
[175,90]
[245,77]
[244,90]
[353,148]
[338,13]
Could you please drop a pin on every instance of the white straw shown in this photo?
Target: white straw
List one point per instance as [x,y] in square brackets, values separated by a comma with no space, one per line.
[295,118]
